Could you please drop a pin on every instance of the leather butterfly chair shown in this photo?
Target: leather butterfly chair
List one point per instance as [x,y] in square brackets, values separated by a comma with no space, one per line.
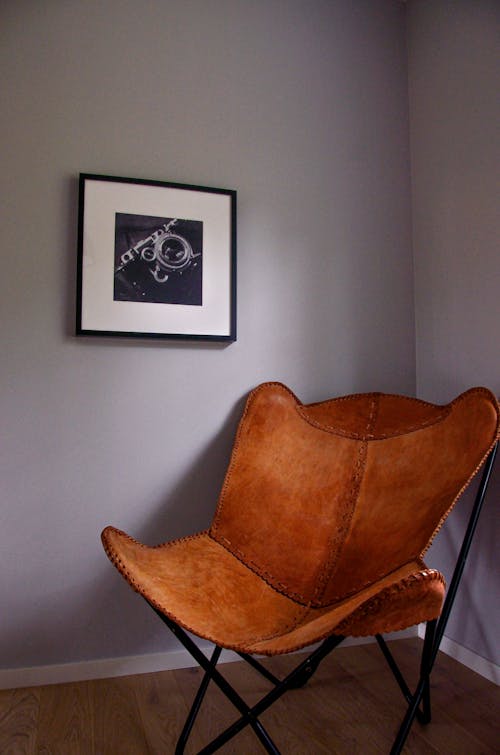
[322,523]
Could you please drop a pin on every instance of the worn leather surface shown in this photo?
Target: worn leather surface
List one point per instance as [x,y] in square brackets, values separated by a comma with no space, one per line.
[324,516]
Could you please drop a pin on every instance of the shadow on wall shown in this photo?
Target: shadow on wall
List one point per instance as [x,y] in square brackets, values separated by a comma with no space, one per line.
[108,614]
[69,211]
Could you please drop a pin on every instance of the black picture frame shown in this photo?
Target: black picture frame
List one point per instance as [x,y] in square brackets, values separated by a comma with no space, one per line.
[156,259]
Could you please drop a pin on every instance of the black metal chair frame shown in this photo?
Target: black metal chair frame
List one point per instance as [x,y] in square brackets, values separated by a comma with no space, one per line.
[419,703]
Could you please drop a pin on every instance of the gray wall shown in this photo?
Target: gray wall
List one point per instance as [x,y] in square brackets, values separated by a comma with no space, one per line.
[454,81]
[301,107]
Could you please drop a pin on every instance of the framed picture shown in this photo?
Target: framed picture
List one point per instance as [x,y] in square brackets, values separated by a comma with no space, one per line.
[155,260]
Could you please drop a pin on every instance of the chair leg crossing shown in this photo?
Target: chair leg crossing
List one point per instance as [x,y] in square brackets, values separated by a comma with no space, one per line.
[298,677]
[249,716]
[186,731]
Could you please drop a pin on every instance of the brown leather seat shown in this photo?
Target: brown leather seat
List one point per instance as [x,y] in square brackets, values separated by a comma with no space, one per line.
[323,520]
[322,523]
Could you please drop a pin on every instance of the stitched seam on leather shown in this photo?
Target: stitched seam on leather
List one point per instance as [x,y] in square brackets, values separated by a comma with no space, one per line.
[232,462]
[489,395]
[211,638]
[115,559]
[373,605]
[485,391]
[251,642]
[236,445]
[120,566]
[339,536]
[372,436]
[460,398]
[287,628]
[445,411]
[194,536]
[320,589]
[477,389]
[428,574]
[452,505]
[374,394]
[266,576]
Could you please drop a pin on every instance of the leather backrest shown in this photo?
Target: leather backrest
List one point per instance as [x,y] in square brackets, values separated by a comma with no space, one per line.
[324,499]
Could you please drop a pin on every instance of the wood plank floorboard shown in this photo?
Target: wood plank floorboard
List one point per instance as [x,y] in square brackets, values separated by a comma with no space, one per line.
[65,728]
[162,709]
[18,721]
[351,706]
[116,720]
[331,709]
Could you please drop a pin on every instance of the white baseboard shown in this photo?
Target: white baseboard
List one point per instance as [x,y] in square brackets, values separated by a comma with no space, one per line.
[475,662]
[172,659]
[106,668]
[102,668]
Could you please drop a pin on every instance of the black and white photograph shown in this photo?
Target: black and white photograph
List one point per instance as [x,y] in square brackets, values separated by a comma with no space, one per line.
[158,259]
[155,259]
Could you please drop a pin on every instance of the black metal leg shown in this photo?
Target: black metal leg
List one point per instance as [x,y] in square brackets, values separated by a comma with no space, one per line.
[435,629]
[184,736]
[423,716]
[304,677]
[394,667]
[425,670]
[251,715]
[259,667]
[231,731]
[464,551]
[421,693]
[405,727]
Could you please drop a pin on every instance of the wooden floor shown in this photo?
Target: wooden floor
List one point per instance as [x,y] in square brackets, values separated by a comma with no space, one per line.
[351,705]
